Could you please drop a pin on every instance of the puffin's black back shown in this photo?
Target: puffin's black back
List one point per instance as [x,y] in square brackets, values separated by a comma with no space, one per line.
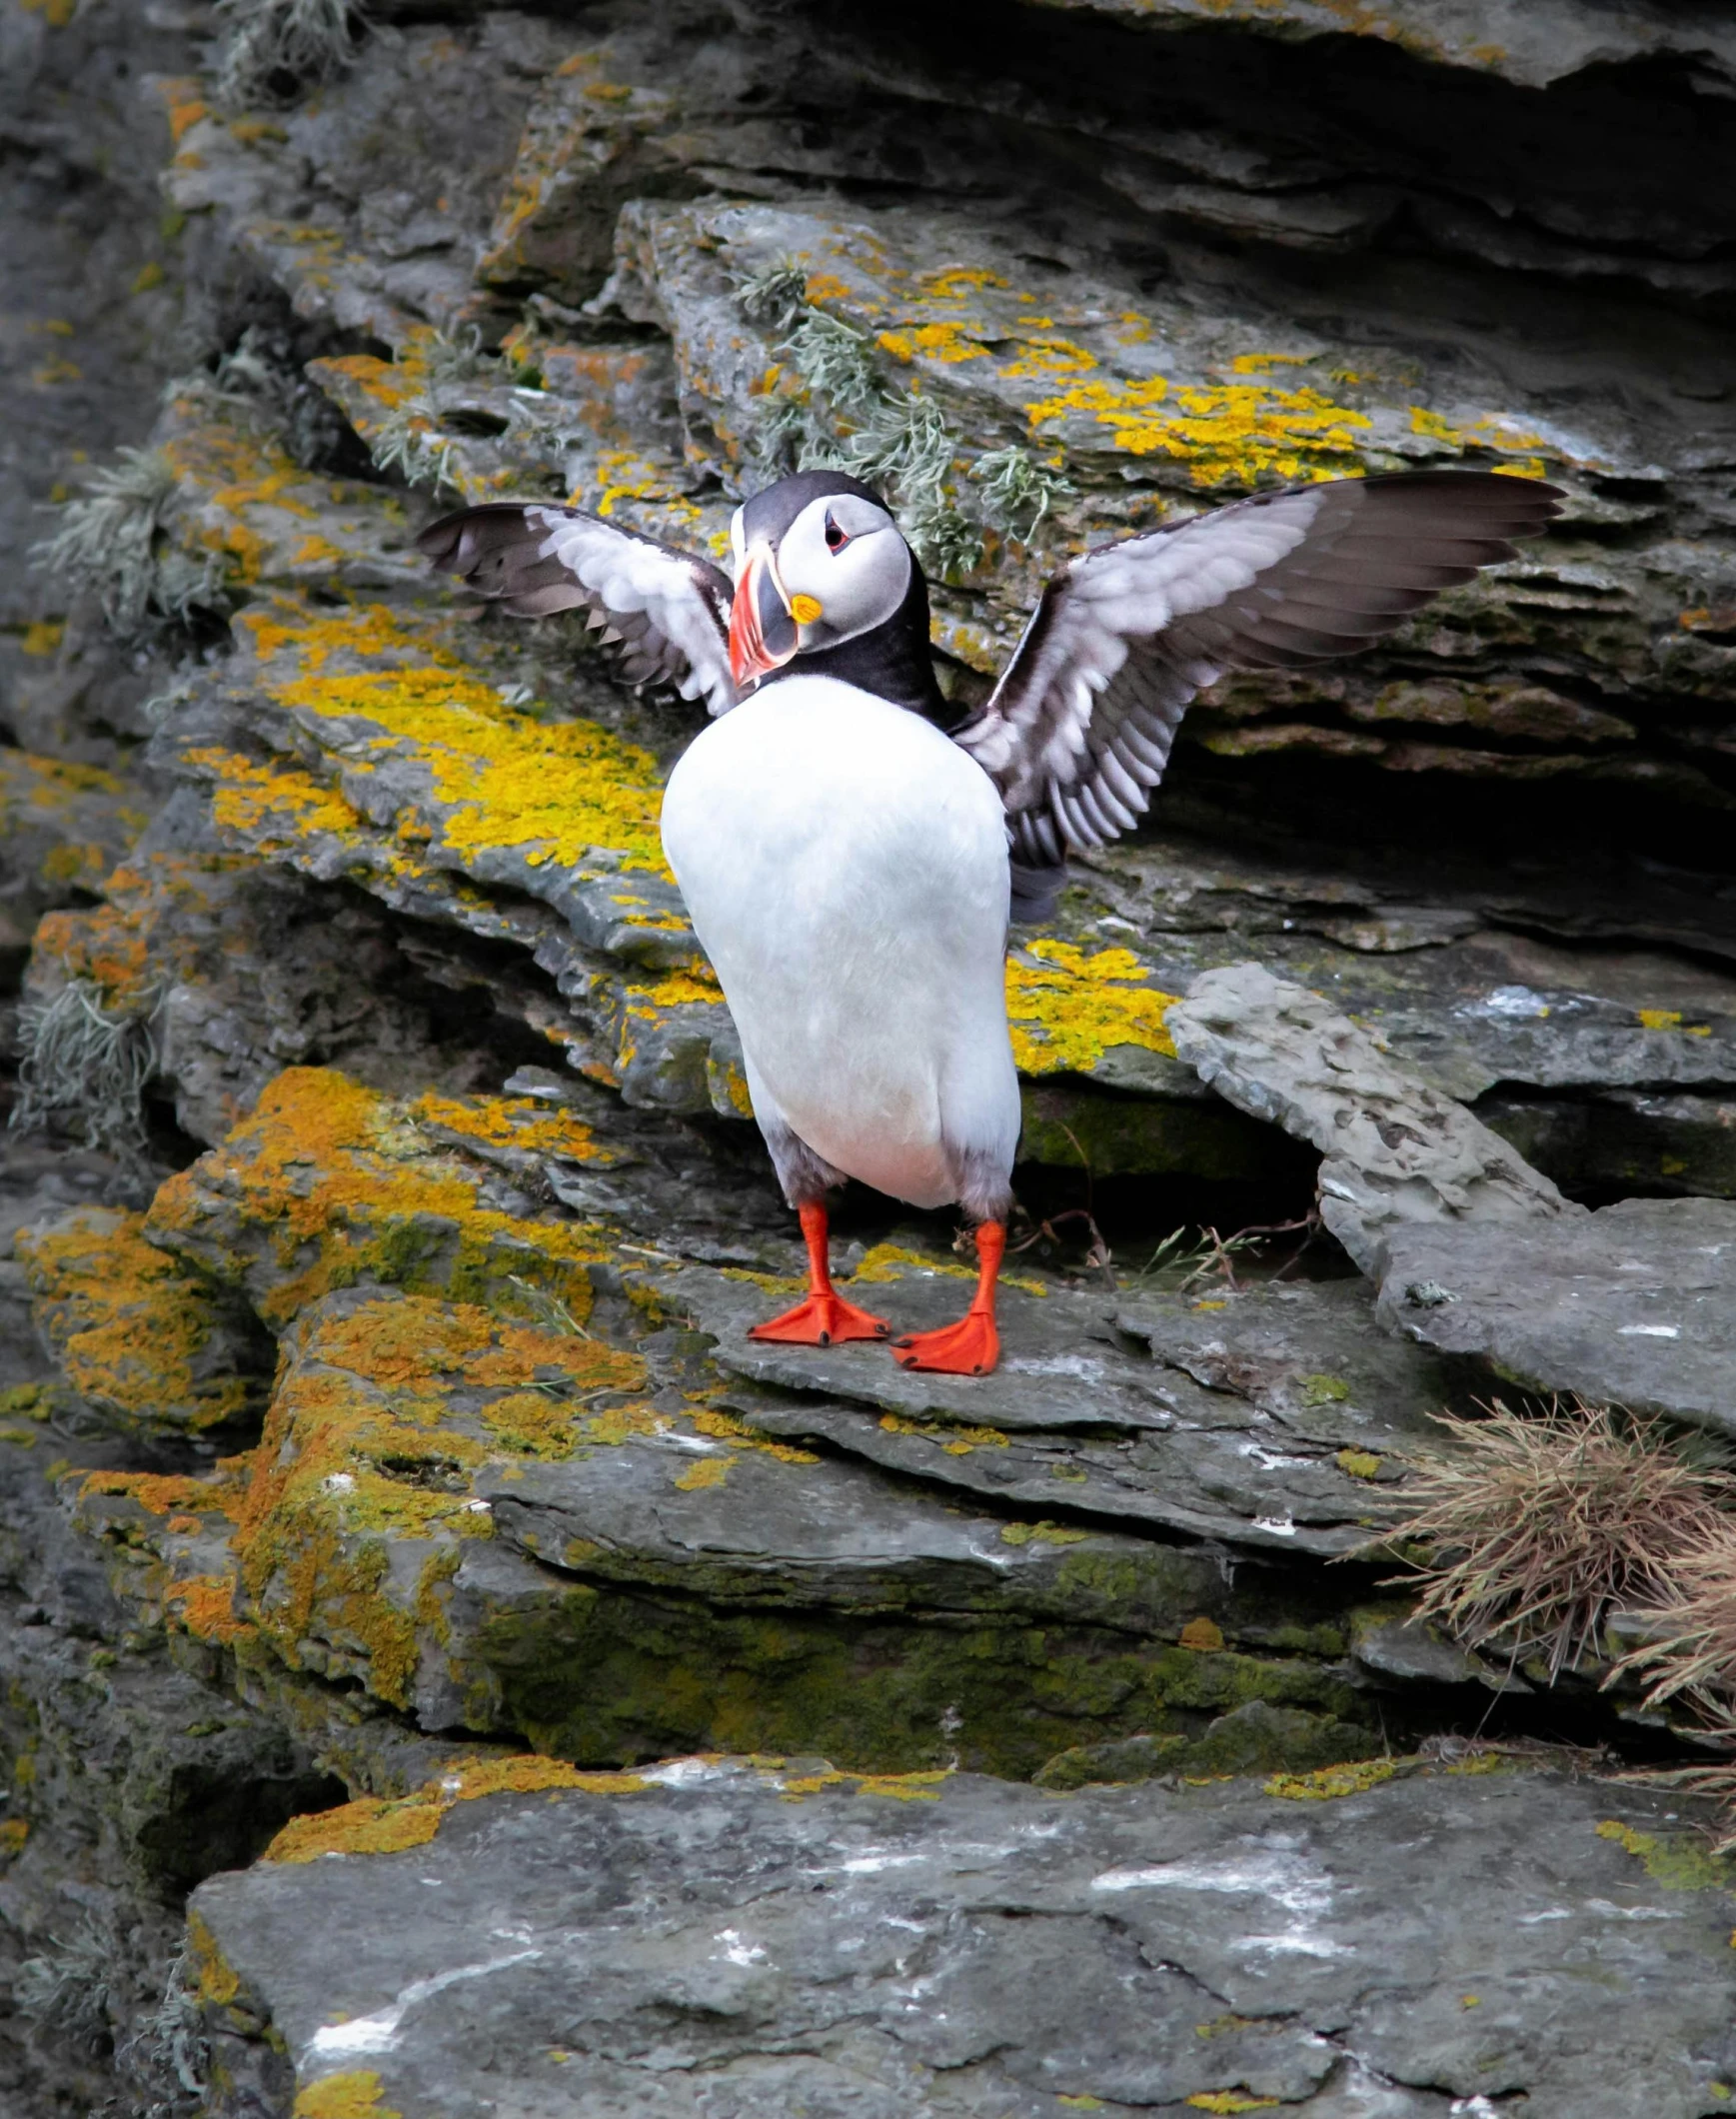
[893,661]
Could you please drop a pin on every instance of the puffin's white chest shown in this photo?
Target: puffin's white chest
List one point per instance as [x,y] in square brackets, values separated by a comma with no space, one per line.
[845,866]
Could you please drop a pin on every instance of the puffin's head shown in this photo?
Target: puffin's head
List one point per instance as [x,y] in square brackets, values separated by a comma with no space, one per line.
[819,560]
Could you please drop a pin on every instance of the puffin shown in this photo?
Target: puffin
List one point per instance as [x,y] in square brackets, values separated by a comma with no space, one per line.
[851,863]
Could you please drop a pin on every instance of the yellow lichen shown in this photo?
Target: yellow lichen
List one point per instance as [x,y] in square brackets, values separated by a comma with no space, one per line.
[497,777]
[324,1188]
[1045,1533]
[1066,1006]
[955,1441]
[351,2095]
[273,805]
[1233,433]
[512,1122]
[13,1833]
[724,1427]
[1327,1784]
[1229,2101]
[214,1980]
[1358,1463]
[708,1471]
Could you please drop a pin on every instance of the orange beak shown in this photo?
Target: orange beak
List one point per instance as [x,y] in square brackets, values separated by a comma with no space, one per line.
[763,634]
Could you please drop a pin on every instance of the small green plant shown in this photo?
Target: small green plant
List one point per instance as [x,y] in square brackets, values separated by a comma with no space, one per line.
[1538,1525]
[113,544]
[88,1066]
[1201,1256]
[410,442]
[273,48]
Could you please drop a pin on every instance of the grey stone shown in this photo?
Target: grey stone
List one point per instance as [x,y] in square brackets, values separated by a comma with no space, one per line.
[706,1943]
[1394,1150]
[1633,1306]
[1258,1417]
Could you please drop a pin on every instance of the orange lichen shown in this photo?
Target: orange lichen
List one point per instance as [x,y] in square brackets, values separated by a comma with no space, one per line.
[205,1606]
[126,1324]
[512,1122]
[323,1188]
[372,1825]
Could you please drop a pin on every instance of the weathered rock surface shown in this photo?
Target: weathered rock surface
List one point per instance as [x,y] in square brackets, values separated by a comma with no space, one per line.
[1260,1416]
[711,1938]
[1394,1152]
[376,1423]
[1633,1306]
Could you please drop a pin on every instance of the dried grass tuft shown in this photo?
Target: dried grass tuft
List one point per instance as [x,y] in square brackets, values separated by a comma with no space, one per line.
[1538,1525]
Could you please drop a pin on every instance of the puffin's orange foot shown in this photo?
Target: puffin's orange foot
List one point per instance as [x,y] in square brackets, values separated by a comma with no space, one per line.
[969,1348]
[823,1320]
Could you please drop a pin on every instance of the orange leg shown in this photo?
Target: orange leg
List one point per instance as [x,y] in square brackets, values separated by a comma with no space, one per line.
[973,1345]
[825,1317]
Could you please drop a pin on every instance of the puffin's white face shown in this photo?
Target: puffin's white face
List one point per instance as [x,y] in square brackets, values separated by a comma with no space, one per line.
[839,570]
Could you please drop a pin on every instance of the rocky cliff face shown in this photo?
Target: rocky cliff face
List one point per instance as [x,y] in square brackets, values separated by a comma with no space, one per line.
[385,1473]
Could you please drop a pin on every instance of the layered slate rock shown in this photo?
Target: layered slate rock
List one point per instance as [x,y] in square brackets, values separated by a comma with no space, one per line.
[1633,1306]
[709,1936]
[1263,1415]
[507,1529]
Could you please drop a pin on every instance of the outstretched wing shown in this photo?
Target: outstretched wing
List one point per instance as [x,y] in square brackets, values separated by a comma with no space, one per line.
[666,612]
[1078,732]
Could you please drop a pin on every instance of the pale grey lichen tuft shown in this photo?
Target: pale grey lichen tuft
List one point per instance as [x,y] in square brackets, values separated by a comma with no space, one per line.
[86,1066]
[65,1990]
[846,417]
[170,2052]
[113,544]
[1017,490]
[272,48]
[410,443]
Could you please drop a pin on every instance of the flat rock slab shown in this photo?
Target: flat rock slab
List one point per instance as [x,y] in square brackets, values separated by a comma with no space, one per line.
[1259,1415]
[715,1941]
[1632,1306]
[1394,1151]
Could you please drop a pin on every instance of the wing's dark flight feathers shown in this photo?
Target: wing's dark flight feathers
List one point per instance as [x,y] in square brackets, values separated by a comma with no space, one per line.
[1368,552]
[497,550]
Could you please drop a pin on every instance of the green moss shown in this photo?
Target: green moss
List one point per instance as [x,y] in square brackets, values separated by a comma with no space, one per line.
[610,1673]
[1678,1860]
[1132,1135]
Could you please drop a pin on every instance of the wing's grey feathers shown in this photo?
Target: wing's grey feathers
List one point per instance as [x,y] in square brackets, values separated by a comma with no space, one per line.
[1079,728]
[665,612]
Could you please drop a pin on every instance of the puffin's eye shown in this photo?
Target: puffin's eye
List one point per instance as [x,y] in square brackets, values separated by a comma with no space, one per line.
[835,539]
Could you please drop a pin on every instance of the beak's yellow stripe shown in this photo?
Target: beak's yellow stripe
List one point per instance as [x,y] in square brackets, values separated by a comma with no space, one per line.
[805,609]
